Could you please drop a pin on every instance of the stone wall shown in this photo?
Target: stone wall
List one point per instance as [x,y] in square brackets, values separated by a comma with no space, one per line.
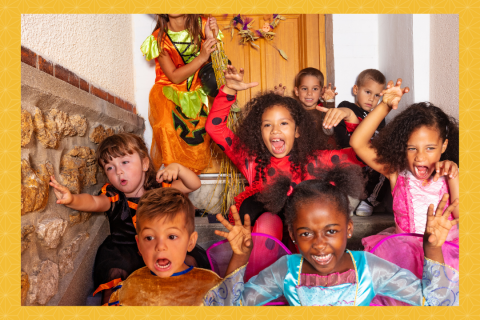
[61,128]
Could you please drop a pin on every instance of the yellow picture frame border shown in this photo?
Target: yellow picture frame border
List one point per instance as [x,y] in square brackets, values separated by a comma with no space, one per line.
[469,28]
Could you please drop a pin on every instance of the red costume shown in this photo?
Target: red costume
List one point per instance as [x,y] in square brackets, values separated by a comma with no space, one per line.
[219,132]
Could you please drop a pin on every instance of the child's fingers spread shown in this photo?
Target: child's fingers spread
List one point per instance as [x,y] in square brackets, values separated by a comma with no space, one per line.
[225,223]
[430,210]
[446,168]
[406,90]
[247,224]
[399,82]
[450,208]
[221,233]
[442,205]
[389,84]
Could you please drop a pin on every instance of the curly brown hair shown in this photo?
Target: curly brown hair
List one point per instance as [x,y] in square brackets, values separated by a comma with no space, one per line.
[124,143]
[332,184]
[250,141]
[391,142]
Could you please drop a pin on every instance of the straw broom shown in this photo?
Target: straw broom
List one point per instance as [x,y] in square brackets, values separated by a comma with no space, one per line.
[233,179]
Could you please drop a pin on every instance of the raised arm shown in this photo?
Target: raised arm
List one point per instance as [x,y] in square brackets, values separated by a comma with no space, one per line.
[360,140]
[216,125]
[81,202]
[239,237]
[183,178]
[178,75]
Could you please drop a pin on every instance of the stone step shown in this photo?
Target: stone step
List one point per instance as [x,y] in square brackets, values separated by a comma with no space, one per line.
[362,227]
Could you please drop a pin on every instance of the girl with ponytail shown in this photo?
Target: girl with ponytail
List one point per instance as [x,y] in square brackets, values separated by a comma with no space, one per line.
[326,273]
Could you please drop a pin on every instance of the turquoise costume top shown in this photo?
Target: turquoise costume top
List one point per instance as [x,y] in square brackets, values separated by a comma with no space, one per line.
[439,285]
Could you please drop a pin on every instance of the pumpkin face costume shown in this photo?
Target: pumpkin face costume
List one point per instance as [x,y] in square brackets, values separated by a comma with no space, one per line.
[178,112]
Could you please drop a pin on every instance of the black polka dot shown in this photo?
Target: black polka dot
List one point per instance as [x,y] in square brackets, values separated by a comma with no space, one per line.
[271,172]
[228,140]
[293,184]
[270,244]
[246,163]
[335,159]
[225,118]
[230,97]
[217,121]
[310,168]
[221,147]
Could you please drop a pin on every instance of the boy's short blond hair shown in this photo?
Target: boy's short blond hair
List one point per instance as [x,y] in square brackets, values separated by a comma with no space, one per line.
[370,74]
[165,202]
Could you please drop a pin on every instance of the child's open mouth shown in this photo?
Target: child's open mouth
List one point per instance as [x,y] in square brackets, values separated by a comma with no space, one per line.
[163,264]
[278,146]
[421,172]
[123,182]
[323,259]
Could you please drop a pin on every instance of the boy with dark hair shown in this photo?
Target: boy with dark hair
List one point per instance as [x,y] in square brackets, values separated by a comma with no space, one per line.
[370,83]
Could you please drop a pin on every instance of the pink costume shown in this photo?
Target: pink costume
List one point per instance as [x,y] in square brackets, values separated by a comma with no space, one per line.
[411,198]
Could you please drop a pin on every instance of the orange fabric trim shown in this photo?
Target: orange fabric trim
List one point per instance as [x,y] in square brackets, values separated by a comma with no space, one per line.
[132,205]
[166,185]
[104,188]
[108,285]
[134,219]
[114,198]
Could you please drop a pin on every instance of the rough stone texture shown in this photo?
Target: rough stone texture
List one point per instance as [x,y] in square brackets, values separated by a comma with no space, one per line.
[77,217]
[41,90]
[99,134]
[35,186]
[25,285]
[54,125]
[67,255]
[79,123]
[43,283]
[50,231]
[78,169]
[26,238]
[27,127]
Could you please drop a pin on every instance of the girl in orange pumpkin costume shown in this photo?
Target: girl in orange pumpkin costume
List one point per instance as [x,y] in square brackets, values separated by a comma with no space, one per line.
[180,44]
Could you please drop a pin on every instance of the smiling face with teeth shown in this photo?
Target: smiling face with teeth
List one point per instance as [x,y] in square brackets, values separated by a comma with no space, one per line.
[278,131]
[321,231]
[163,244]
[424,150]
[309,91]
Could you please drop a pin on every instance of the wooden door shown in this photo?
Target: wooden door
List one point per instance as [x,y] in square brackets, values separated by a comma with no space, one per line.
[300,36]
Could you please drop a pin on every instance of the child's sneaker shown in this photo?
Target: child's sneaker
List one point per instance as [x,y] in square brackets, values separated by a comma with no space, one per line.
[364,209]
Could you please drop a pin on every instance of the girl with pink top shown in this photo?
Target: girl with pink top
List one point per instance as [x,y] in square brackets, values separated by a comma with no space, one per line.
[417,151]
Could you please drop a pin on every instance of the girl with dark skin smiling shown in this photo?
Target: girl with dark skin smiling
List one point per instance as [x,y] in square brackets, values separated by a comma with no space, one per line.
[325,273]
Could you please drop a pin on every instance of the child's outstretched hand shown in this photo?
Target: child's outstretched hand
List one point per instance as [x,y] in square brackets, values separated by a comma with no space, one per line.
[239,237]
[64,196]
[234,79]
[280,90]
[393,94]
[438,225]
[329,93]
[333,116]
[445,168]
[169,173]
